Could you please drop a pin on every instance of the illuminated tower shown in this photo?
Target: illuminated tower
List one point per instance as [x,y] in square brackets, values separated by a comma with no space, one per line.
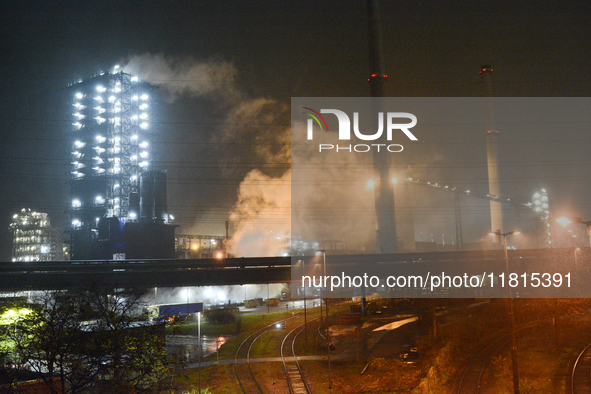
[496,212]
[110,152]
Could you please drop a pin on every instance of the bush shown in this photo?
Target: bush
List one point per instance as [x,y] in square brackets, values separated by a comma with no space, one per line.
[221,315]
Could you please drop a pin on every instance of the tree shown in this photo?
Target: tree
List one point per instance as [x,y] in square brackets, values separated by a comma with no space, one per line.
[89,338]
[50,342]
[136,358]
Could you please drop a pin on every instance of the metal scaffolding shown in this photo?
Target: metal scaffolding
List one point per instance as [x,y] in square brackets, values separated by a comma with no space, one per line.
[110,150]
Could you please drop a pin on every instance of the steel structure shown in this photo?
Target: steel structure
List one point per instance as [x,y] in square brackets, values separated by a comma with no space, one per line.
[453,189]
[259,270]
[539,206]
[110,150]
[542,209]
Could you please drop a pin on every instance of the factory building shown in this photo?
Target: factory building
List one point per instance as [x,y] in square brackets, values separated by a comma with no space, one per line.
[33,238]
[189,246]
[118,200]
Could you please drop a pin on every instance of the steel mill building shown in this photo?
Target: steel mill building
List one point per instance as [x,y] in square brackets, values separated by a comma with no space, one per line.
[118,199]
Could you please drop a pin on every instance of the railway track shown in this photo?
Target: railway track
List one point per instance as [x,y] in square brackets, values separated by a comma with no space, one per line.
[246,378]
[472,378]
[580,381]
[296,380]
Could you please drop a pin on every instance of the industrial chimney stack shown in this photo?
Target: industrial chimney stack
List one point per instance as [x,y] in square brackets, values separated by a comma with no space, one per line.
[386,238]
[491,135]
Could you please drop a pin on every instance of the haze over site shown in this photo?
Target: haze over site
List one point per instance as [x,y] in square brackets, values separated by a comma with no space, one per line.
[262,211]
[226,73]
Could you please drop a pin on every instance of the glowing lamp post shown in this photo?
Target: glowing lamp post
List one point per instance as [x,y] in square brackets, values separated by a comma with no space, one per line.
[199,345]
[511,314]
[565,221]
[323,254]
[305,311]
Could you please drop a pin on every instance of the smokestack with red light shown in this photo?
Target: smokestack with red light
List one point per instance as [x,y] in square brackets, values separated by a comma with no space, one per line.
[494,187]
[386,239]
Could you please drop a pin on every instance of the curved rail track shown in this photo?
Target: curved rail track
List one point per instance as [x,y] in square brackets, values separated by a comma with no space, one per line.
[246,379]
[296,380]
[580,381]
[470,382]
[472,377]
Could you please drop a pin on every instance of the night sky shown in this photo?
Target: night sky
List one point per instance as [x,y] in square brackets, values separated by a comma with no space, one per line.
[279,50]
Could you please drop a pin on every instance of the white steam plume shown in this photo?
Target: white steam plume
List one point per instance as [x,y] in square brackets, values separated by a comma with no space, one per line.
[180,76]
[263,124]
[257,130]
[260,126]
[262,215]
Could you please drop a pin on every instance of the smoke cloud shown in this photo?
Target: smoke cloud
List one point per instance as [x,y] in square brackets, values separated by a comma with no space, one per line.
[254,130]
[262,215]
[256,133]
[185,76]
[261,127]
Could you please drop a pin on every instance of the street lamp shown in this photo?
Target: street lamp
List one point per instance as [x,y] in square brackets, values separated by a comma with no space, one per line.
[323,254]
[319,253]
[187,296]
[305,311]
[565,221]
[511,315]
[199,345]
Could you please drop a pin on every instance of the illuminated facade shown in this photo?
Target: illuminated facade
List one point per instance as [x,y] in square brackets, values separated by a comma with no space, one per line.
[111,159]
[33,238]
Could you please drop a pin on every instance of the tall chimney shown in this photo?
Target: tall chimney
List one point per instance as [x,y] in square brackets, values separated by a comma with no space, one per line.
[386,238]
[491,135]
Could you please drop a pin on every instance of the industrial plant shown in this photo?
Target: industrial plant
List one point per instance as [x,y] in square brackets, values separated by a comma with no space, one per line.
[33,238]
[309,251]
[118,199]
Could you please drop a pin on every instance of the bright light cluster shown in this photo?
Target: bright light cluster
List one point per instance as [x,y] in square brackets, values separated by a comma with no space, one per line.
[110,119]
[540,202]
[540,205]
[12,316]
[33,238]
